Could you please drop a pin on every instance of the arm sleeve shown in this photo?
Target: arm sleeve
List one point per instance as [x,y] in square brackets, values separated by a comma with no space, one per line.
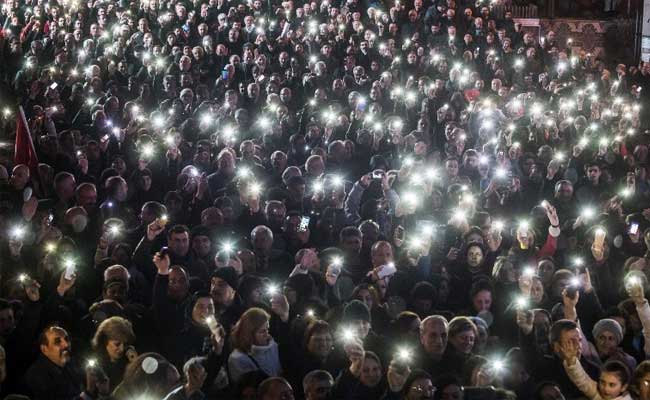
[353,203]
[548,250]
[644,316]
[582,381]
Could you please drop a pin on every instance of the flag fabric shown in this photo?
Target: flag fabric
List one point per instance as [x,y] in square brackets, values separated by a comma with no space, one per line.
[24,152]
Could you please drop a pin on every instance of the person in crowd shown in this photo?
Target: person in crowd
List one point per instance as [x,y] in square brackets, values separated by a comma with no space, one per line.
[349,200]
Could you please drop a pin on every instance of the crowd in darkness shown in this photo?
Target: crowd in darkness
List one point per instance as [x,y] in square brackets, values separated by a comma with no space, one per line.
[327,200]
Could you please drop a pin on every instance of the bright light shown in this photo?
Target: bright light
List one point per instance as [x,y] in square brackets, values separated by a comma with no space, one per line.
[498,365]
[18,232]
[521,302]
[498,225]
[255,189]
[524,225]
[92,363]
[243,172]
[50,247]
[337,180]
[147,150]
[114,230]
[22,278]
[404,354]
[272,289]
[588,213]
[348,335]
[528,272]
[264,122]
[634,281]
[337,261]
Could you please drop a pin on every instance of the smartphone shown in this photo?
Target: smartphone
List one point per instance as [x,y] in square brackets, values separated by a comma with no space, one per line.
[164,251]
[377,175]
[634,228]
[387,270]
[69,271]
[27,193]
[54,85]
[304,223]
[361,106]
[224,74]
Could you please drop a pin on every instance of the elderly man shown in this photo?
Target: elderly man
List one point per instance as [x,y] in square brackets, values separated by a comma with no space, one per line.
[434,331]
[53,375]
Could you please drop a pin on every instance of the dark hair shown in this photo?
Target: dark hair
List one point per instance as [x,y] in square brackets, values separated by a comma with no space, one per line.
[618,368]
[480,285]
[177,229]
[349,232]
[560,326]
[266,384]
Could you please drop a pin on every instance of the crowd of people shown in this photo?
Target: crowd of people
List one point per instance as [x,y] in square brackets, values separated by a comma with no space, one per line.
[404,199]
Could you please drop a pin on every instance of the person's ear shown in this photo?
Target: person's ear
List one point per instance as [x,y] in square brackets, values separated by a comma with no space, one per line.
[556,347]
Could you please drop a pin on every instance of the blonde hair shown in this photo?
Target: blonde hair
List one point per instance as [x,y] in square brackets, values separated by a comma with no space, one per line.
[111,329]
[243,334]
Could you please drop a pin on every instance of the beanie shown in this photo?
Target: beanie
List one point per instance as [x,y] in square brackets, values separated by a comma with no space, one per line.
[356,310]
[608,325]
[228,274]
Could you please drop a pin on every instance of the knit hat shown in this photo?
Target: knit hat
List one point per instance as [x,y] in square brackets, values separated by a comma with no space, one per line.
[228,274]
[356,310]
[608,325]
[200,230]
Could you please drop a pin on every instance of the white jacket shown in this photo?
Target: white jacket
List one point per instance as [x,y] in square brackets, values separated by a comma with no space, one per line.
[267,359]
[644,316]
[586,385]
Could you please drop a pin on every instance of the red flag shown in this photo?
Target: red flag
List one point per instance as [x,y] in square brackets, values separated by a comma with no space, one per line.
[24,151]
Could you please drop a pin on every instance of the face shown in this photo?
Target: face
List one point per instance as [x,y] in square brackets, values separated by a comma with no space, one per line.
[463,341]
[644,386]
[58,347]
[610,385]
[568,338]
[421,389]
[474,256]
[115,349]
[318,390]
[365,296]
[370,373]
[433,336]
[201,245]
[606,343]
[537,291]
[262,337]
[320,344]
[381,255]
[179,243]
[221,292]
[178,285]
[482,301]
[451,392]
[203,308]
[7,321]
[593,173]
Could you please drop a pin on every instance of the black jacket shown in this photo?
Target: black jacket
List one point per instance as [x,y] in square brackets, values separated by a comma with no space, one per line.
[46,380]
